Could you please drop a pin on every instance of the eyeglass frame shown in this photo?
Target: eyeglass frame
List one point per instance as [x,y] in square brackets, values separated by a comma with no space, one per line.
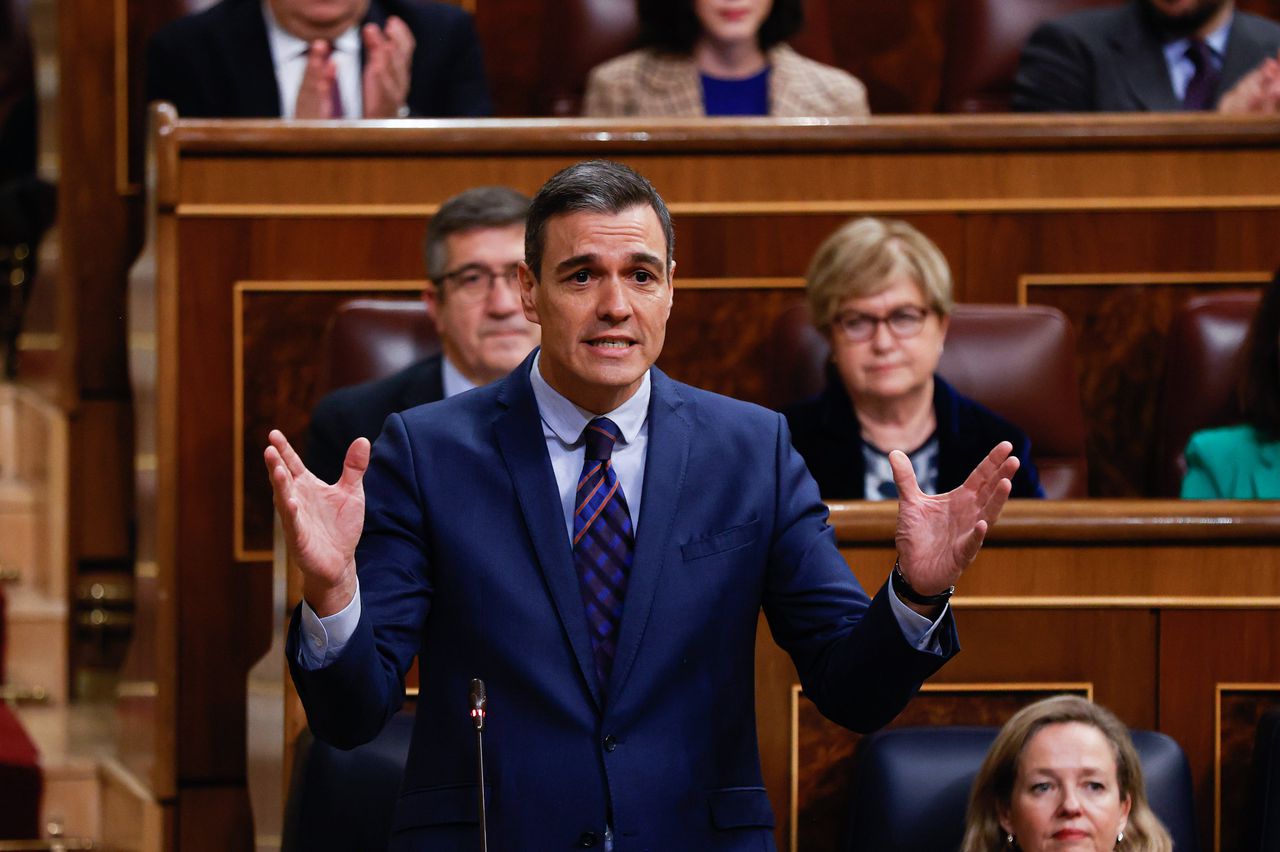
[842,320]
[477,294]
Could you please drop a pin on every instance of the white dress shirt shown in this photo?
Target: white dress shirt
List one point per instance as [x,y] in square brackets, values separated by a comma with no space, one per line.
[289,56]
[562,424]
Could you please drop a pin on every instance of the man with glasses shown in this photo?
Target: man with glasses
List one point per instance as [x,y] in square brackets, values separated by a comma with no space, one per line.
[473,247]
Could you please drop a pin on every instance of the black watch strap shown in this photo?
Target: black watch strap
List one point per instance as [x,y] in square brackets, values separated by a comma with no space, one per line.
[904,590]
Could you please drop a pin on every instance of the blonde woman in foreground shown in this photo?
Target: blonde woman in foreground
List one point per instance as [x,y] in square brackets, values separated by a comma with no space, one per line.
[1062,774]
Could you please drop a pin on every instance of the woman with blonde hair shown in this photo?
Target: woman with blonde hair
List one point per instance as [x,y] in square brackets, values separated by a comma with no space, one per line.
[1062,774]
[880,292]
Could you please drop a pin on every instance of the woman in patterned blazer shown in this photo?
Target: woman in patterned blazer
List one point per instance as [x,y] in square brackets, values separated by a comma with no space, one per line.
[720,57]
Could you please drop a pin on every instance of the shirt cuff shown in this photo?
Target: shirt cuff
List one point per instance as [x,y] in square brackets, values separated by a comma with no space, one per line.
[324,638]
[916,629]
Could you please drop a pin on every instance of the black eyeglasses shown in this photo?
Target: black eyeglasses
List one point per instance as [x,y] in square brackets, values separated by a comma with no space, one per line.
[858,327]
[474,282]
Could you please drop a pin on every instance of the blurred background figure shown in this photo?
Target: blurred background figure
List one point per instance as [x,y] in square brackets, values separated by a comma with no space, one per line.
[320,59]
[1062,774]
[1243,461]
[880,291]
[720,57]
[472,247]
[1152,55]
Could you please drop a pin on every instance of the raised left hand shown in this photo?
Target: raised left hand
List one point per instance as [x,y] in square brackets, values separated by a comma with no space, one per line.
[937,537]
[388,55]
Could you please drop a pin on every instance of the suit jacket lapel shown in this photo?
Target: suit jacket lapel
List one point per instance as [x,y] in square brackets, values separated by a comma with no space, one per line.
[1141,57]
[1244,53]
[524,450]
[254,74]
[668,455]
[427,385]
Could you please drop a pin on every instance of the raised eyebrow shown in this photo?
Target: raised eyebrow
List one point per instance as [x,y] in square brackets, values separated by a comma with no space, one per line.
[575,261]
[644,258]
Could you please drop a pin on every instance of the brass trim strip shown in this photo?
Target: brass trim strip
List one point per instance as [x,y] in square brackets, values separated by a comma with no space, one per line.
[197,210]
[32,340]
[1103,279]
[137,689]
[147,570]
[1113,602]
[145,462]
[1220,688]
[959,687]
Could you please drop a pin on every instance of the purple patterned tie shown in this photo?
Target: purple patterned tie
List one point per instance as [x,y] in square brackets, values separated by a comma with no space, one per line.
[603,543]
[1203,87]
[335,92]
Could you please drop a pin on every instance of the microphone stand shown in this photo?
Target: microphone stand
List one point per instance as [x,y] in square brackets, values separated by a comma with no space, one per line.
[478,700]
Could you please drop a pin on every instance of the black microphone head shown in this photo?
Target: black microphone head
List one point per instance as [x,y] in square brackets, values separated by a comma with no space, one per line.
[478,699]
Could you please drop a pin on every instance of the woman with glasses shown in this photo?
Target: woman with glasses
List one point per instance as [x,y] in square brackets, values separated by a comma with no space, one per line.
[880,292]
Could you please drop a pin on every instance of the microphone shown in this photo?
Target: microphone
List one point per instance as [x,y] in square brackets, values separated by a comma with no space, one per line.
[478,700]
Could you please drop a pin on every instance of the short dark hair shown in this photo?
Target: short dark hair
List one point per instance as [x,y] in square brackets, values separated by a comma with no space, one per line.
[596,186]
[1259,386]
[673,27]
[482,207]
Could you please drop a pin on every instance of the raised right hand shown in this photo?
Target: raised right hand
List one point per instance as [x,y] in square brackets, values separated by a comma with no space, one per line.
[322,523]
[315,95]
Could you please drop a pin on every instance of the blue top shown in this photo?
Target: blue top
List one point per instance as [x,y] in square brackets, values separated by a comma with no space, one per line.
[748,96]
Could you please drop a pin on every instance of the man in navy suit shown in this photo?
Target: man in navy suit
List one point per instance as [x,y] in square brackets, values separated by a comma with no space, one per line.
[474,244]
[596,541]
[1152,55]
[320,59]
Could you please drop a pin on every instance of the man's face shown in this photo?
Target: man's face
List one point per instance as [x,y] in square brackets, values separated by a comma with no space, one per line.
[602,299]
[318,19]
[482,326]
[1184,17]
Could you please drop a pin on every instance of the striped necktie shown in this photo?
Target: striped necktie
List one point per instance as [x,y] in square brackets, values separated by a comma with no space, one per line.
[603,542]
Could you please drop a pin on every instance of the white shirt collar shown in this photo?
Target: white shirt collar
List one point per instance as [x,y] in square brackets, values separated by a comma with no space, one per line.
[567,420]
[452,379]
[1176,50]
[286,46]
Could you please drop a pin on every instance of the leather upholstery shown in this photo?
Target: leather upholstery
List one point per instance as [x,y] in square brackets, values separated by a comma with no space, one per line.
[1017,361]
[984,39]
[597,30]
[370,338]
[1261,830]
[343,800]
[20,779]
[1200,375]
[911,787]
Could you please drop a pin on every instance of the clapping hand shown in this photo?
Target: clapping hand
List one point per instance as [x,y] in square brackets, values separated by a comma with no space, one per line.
[322,523]
[388,55]
[937,537]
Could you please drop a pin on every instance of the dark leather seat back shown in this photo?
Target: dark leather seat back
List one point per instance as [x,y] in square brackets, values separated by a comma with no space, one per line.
[587,32]
[1018,361]
[1262,818]
[984,39]
[343,800]
[1201,372]
[911,787]
[370,338]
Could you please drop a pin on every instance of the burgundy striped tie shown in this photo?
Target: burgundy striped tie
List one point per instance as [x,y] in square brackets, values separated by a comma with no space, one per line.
[603,542]
[1202,90]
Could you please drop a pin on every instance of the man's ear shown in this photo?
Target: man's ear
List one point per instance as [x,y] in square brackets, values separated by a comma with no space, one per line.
[528,287]
[431,300]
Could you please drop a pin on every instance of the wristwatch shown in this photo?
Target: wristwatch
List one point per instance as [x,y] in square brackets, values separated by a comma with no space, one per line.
[904,590]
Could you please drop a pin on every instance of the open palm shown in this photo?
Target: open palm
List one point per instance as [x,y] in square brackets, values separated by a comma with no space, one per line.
[938,536]
[322,523]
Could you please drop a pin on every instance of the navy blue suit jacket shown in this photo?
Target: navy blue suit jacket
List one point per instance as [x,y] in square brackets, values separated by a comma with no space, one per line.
[465,561]
[217,63]
[826,433]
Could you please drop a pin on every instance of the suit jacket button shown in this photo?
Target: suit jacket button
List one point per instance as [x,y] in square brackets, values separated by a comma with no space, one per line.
[610,742]
[588,839]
